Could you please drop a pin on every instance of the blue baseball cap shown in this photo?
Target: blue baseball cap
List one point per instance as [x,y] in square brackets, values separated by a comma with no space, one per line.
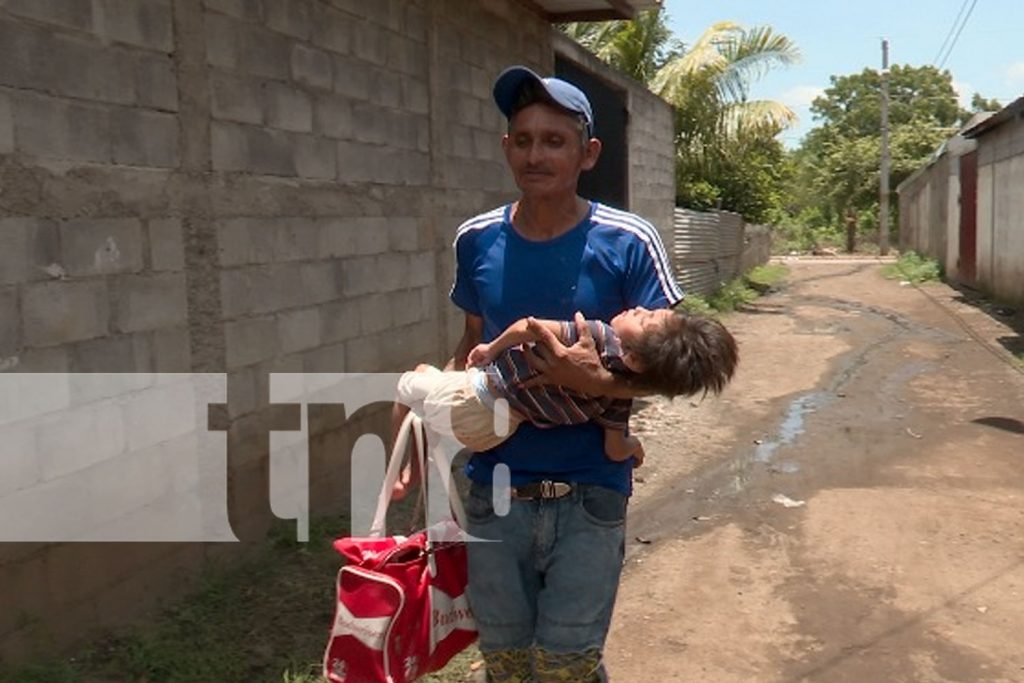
[563,93]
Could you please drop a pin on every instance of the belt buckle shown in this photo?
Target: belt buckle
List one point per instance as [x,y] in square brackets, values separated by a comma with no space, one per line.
[554,489]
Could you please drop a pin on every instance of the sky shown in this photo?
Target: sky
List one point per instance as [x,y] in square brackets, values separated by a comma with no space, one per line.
[841,38]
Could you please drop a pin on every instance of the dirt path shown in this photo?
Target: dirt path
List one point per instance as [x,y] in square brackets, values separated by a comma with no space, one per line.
[892,420]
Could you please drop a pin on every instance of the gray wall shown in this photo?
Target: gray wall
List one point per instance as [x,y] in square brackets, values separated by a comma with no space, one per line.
[244,187]
[1001,211]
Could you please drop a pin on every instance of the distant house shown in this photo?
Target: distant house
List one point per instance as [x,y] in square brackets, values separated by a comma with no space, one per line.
[966,207]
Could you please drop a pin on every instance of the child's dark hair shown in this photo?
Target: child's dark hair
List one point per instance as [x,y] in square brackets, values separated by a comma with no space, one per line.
[686,355]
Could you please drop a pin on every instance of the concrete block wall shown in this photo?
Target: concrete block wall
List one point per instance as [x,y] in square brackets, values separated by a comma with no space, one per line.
[244,188]
[1000,225]
[650,140]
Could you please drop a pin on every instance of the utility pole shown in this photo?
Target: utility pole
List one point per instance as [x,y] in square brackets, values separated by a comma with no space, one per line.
[883,183]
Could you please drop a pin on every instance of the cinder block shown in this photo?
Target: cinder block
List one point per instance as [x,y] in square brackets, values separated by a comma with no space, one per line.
[291,17]
[365,354]
[80,438]
[110,354]
[265,53]
[319,283]
[245,148]
[325,359]
[287,108]
[298,330]
[145,23]
[295,239]
[311,67]
[250,341]
[156,82]
[74,68]
[387,90]
[6,125]
[315,158]
[372,124]
[166,244]
[403,234]
[415,95]
[353,78]
[392,272]
[246,241]
[407,307]
[410,57]
[145,138]
[235,99]
[19,464]
[223,43]
[339,321]
[362,163]
[354,236]
[422,271]
[10,328]
[95,246]
[40,360]
[50,127]
[27,246]
[332,30]
[249,10]
[171,350]
[150,302]
[75,14]
[333,117]
[370,43]
[262,289]
[375,313]
[60,312]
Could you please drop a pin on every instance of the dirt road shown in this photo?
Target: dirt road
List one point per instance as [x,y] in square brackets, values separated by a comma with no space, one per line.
[851,509]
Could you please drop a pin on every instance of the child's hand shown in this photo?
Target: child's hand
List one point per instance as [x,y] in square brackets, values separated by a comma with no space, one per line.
[479,356]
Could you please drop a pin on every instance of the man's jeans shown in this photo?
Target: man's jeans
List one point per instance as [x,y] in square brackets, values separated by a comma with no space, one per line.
[549,579]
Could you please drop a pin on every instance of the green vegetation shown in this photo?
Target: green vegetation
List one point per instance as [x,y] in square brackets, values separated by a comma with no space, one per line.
[265,620]
[912,267]
[763,278]
[735,294]
[727,154]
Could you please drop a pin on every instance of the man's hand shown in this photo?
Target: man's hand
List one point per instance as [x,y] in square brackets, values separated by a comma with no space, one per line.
[639,454]
[577,367]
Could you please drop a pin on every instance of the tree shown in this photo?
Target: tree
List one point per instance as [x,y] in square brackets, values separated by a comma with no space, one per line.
[840,158]
[725,142]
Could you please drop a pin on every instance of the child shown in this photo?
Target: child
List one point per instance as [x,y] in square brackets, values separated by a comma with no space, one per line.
[659,351]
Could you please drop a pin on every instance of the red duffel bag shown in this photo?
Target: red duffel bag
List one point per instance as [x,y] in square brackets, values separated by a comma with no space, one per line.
[401,602]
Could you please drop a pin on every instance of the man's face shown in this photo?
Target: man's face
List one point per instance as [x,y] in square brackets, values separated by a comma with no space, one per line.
[545,150]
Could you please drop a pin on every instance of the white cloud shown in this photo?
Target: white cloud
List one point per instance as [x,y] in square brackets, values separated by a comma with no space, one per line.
[800,96]
[1015,73]
[964,92]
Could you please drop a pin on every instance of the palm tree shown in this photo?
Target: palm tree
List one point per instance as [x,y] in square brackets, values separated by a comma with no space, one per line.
[708,83]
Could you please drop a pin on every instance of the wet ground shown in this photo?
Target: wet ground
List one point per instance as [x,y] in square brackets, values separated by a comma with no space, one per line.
[850,509]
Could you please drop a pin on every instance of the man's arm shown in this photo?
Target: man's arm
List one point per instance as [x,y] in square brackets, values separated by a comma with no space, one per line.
[618,446]
[577,367]
[471,336]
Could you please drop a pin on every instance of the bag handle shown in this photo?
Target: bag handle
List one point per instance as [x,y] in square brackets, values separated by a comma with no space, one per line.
[414,424]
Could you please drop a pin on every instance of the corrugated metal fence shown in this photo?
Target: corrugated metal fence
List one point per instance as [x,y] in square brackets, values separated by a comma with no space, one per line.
[711,248]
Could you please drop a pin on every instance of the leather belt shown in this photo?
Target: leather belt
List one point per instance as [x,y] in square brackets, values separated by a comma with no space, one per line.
[542,490]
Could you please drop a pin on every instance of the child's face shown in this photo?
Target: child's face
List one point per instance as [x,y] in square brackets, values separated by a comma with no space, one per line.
[634,323]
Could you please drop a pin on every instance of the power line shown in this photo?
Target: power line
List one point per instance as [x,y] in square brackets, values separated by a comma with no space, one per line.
[957,36]
[949,33]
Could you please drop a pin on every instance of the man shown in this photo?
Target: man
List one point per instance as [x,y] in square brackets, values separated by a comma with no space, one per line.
[543,594]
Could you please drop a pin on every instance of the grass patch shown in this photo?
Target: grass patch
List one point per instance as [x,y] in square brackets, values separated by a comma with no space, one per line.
[265,620]
[914,268]
[734,294]
[763,278]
